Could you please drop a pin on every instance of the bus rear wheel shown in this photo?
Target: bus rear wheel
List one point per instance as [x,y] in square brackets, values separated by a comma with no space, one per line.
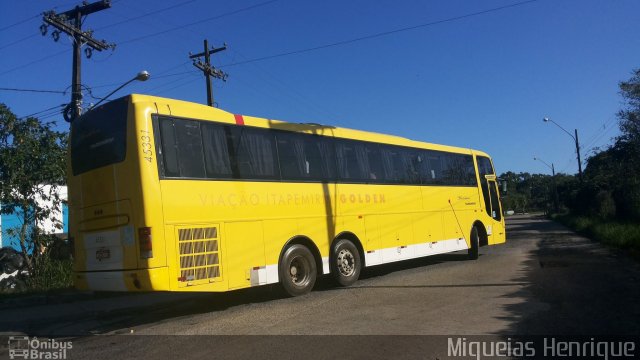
[298,270]
[475,244]
[345,262]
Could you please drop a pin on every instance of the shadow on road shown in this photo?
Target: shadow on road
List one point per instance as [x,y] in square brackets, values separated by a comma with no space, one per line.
[574,286]
[170,306]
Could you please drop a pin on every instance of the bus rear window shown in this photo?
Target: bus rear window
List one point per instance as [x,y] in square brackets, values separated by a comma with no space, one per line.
[98,138]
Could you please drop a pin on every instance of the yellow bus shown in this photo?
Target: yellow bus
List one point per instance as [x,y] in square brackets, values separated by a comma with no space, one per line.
[170,195]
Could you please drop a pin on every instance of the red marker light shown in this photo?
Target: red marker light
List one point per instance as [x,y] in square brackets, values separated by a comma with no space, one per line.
[146,245]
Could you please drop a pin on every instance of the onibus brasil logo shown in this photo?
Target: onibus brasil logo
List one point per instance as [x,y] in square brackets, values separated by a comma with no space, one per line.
[23,347]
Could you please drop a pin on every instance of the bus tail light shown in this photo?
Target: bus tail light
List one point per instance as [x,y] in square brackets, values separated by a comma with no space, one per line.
[146,245]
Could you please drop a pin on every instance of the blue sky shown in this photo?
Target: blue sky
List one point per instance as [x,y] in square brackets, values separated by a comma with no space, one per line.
[483,81]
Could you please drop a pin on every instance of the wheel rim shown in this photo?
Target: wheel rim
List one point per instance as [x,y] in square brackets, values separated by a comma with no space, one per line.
[300,271]
[346,262]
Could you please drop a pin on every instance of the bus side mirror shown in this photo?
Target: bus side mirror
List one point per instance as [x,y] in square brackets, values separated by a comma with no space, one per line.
[503,187]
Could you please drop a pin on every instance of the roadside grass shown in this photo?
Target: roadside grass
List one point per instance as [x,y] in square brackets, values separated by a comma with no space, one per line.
[614,233]
[50,274]
[48,277]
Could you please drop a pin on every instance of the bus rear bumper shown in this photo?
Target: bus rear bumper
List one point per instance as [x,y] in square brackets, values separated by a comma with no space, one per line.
[156,279]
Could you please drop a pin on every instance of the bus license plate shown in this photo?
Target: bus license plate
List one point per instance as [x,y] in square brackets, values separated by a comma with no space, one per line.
[103,253]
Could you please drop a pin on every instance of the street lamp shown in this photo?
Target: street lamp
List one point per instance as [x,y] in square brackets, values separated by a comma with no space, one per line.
[553,170]
[142,76]
[553,181]
[575,139]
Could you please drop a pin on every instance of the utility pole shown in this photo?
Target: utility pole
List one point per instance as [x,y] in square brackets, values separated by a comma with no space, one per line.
[70,22]
[578,154]
[207,69]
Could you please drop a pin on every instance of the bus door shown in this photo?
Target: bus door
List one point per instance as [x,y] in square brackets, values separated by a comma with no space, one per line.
[490,189]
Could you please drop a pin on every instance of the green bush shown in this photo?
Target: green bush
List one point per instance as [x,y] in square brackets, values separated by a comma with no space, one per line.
[618,234]
[50,274]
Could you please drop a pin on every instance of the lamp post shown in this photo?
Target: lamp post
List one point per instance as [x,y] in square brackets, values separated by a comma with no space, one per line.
[141,76]
[575,139]
[553,182]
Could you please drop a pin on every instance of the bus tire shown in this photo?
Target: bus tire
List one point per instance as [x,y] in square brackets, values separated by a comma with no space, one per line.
[345,262]
[297,270]
[475,244]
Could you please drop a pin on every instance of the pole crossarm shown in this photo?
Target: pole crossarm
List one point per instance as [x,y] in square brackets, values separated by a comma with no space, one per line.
[86,37]
[211,51]
[70,22]
[207,69]
[87,9]
[212,71]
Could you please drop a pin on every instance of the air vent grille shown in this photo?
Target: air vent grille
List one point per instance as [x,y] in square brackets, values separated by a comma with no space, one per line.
[199,254]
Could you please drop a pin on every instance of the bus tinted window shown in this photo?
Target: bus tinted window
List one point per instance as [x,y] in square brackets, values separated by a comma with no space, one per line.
[431,170]
[189,143]
[321,155]
[484,166]
[292,156]
[169,151]
[442,168]
[98,138]
[399,165]
[216,150]
[353,161]
[198,149]
[253,153]
[376,167]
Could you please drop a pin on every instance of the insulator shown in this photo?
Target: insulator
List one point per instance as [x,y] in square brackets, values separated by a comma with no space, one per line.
[43,29]
[88,52]
[55,35]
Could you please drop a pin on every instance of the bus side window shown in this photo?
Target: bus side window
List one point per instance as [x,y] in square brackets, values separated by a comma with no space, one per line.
[321,156]
[376,169]
[431,172]
[189,144]
[291,154]
[254,151]
[352,161]
[169,149]
[216,151]
[411,160]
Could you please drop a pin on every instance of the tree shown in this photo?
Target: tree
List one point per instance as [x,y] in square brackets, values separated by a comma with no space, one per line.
[32,167]
[629,116]
[528,192]
[613,175]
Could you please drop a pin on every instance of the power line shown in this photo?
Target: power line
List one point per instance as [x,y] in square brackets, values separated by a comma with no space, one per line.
[34,62]
[606,127]
[601,135]
[146,14]
[33,90]
[146,36]
[45,110]
[200,22]
[156,91]
[380,34]
[19,22]
[276,83]
[18,41]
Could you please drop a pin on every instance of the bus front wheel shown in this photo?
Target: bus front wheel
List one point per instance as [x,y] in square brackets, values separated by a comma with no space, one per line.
[345,263]
[298,270]
[475,244]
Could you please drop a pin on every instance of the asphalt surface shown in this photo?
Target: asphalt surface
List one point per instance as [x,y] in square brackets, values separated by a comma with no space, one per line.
[545,280]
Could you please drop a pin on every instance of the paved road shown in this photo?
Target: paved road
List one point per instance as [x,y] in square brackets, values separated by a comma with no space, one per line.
[544,280]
